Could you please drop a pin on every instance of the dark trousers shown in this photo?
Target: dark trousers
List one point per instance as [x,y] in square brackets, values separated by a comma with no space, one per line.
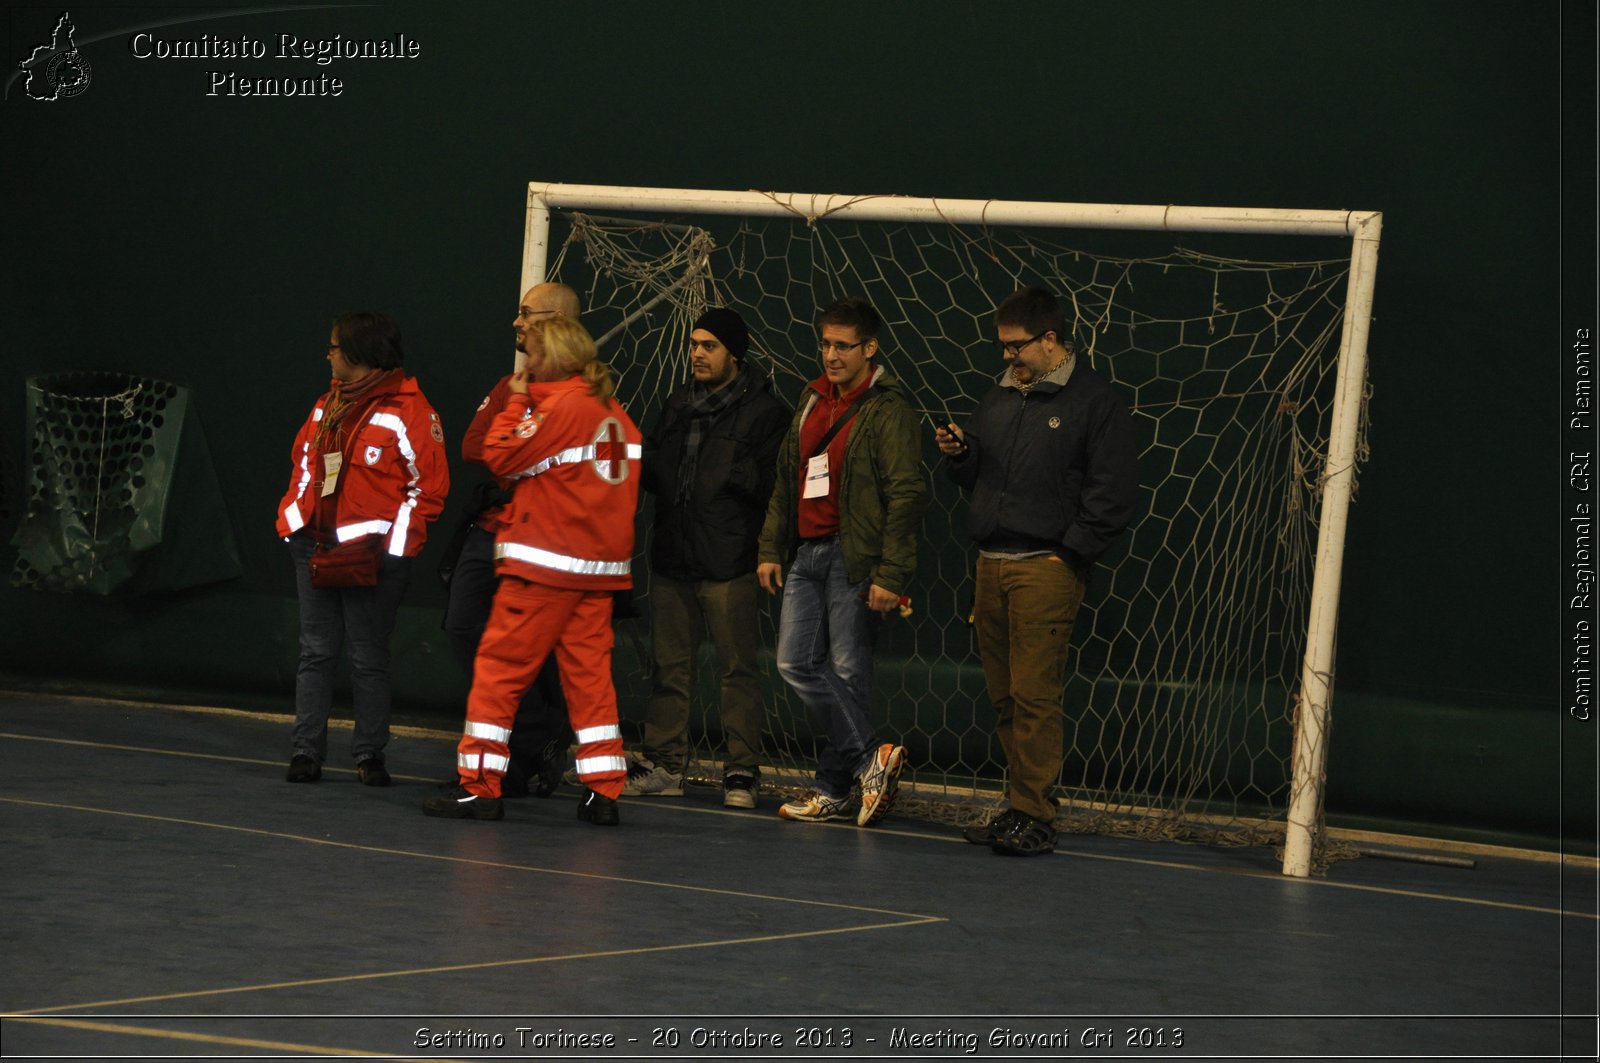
[333,620]
[729,612]
[542,712]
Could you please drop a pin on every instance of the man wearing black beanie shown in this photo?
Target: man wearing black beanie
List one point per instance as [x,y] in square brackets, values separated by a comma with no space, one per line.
[709,460]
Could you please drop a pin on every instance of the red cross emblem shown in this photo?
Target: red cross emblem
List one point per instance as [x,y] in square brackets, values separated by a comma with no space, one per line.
[611,451]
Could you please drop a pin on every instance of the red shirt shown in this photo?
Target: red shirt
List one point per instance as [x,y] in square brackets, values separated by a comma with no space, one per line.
[820,516]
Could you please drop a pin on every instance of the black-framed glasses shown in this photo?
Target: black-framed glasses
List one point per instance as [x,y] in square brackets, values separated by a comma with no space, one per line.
[1014,349]
[834,346]
[523,312]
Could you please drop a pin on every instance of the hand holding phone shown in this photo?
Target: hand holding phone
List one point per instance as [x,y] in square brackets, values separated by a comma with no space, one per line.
[948,436]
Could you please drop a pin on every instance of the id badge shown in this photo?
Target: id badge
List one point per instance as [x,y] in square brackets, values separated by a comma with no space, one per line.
[330,472]
[816,477]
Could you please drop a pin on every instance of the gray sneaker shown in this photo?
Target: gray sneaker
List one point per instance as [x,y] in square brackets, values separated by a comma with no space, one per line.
[648,779]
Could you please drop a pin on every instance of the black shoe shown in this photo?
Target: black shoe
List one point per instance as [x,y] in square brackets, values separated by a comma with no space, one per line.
[986,833]
[1025,836]
[601,811]
[371,772]
[459,804]
[303,769]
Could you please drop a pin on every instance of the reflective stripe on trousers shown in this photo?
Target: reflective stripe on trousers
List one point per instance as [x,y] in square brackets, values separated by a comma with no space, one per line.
[528,621]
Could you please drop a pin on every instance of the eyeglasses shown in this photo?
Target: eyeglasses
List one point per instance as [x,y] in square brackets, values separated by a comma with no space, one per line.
[523,312]
[840,348]
[1015,349]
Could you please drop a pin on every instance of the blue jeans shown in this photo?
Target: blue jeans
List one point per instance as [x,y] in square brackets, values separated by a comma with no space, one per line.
[364,618]
[825,638]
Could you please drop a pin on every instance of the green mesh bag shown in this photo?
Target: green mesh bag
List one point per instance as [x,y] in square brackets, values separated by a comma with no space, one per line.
[121,493]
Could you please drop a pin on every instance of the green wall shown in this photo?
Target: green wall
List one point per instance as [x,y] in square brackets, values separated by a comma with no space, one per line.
[208,241]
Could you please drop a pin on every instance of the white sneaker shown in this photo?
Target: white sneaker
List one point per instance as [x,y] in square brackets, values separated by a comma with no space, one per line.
[738,790]
[879,783]
[814,806]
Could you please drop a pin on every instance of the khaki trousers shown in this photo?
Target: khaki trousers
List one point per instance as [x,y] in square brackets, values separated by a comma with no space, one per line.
[729,612]
[1024,614]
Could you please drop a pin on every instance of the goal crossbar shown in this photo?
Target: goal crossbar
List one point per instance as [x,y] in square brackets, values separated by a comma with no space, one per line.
[1362,228]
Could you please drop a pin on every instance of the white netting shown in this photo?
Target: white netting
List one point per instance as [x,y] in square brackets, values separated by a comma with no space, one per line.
[1187,651]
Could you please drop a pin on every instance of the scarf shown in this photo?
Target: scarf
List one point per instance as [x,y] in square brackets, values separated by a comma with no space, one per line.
[704,406]
[343,396]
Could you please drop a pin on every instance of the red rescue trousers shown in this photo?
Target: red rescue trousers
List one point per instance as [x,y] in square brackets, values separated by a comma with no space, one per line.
[528,621]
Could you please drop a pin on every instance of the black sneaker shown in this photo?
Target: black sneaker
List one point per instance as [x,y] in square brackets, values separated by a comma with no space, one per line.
[371,772]
[460,804]
[303,769]
[986,833]
[1025,836]
[601,811]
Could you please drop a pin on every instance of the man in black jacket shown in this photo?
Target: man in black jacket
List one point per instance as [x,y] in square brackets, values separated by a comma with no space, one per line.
[1050,462]
[709,461]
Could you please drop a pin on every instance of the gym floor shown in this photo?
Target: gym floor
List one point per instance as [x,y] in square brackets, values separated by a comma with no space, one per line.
[168,895]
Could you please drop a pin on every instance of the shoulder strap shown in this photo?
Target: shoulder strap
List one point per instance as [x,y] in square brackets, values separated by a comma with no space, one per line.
[850,411]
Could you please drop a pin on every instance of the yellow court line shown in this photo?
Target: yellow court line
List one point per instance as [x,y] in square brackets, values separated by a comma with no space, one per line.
[210,1039]
[224,758]
[1265,876]
[905,919]
[488,965]
[248,715]
[1272,876]
[383,851]
[1392,891]
[1503,852]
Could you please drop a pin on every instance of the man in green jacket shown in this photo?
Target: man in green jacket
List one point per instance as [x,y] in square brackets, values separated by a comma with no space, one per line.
[844,517]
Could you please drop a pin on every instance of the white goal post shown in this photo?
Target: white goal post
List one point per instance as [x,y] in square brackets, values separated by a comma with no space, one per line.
[1314,695]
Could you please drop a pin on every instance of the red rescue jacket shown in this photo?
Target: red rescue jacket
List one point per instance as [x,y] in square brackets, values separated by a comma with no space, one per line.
[573,462]
[393,477]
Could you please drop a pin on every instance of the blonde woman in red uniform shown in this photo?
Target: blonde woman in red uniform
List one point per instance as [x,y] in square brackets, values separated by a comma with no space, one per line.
[572,454]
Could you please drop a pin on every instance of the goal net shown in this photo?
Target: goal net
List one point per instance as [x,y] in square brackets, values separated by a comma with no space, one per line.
[1190,654]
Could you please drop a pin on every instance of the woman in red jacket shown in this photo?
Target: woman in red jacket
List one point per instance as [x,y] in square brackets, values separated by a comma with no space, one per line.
[369,474]
[572,456]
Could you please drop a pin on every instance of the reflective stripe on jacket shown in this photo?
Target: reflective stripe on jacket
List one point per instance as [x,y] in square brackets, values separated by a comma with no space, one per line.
[573,462]
[393,484]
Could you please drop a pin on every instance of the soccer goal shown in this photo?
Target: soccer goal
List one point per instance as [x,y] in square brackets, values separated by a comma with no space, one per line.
[1203,659]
